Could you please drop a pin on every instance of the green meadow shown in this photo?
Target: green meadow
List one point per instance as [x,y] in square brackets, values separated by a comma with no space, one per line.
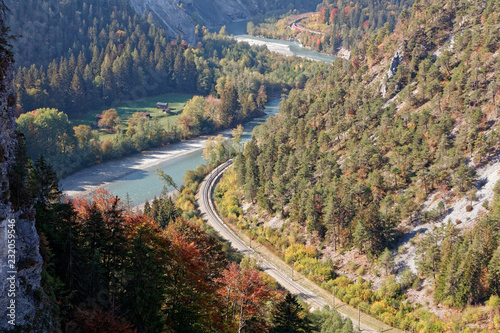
[126,109]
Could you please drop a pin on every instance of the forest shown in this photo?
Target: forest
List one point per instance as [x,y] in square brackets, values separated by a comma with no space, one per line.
[121,56]
[108,268]
[69,27]
[350,160]
[346,169]
[337,24]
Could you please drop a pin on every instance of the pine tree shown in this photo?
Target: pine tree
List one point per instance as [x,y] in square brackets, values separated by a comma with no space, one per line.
[147,208]
[333,324]
[289,317]
[77,93]
[229,104]
[386,260]
[145,287]
[469,284]
[348,327]
[494,272]
[91,234]
[108,87]
[44,183]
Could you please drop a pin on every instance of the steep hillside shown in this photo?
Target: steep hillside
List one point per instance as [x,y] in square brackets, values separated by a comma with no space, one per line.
[21,297]
[51,29]
[180,17]
[337,24]
[351,161]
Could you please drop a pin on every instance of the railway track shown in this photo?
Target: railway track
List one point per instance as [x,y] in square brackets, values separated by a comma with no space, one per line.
[210,214]
[214,219]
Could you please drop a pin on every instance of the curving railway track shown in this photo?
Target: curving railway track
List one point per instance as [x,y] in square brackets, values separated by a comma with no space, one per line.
[210,214]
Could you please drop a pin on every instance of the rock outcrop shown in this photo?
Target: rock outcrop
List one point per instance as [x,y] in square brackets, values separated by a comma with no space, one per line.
[23,290]
[181,16]
[396,60]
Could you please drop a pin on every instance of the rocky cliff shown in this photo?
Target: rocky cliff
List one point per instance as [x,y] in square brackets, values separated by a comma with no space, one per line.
[179,17]
[20,293]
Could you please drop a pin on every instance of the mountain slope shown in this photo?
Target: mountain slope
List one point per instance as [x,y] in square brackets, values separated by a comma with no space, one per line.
[180,17]
[351,159]
[21,296]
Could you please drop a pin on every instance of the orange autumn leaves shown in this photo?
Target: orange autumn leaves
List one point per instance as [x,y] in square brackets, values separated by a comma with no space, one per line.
[245,294]
[174,278]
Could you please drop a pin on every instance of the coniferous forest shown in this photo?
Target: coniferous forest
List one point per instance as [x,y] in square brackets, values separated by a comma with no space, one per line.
[351,160]
[110,54]
[378,180]
[338,24]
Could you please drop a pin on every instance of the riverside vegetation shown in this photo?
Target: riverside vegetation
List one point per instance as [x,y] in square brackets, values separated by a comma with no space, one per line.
[110,269]
[117,55]
[347,164]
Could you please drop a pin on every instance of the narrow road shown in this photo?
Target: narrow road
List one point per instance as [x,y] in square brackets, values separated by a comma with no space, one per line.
[210,214]
[294,26]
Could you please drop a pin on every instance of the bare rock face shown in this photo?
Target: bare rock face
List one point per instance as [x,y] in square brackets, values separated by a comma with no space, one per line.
[169,15]
[179,17]
[21,291]
[396,60]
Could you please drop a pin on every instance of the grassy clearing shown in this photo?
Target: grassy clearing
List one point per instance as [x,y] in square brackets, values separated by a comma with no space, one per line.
[126,109]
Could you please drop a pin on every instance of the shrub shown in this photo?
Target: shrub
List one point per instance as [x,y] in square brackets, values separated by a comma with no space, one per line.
[299,251]
[472,314]
[468,208]
[388,317]
[416,283]
[342,282]
[486,204]
[389,288]
[407,278]
[351,265]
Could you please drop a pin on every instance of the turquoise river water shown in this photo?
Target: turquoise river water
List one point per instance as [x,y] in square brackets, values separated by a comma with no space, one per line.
[143,184]
[238,30]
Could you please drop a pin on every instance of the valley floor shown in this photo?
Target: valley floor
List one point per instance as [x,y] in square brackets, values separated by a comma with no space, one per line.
[90,179]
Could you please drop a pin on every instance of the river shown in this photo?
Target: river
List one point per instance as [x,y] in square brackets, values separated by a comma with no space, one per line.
[144,184]
[288,48]
[135,176]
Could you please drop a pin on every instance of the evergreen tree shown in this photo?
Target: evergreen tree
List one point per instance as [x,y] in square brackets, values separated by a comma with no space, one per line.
[146,283]
[333,324]
[289,317]
[77,93]
[494,272]
[229,104]
[44,184]
[386,260]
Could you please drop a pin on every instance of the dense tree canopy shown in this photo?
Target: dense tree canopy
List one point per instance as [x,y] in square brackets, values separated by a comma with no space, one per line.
[338,23]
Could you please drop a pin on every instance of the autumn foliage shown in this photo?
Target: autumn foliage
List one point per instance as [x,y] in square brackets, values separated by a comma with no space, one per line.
[126,274]
[244,293]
